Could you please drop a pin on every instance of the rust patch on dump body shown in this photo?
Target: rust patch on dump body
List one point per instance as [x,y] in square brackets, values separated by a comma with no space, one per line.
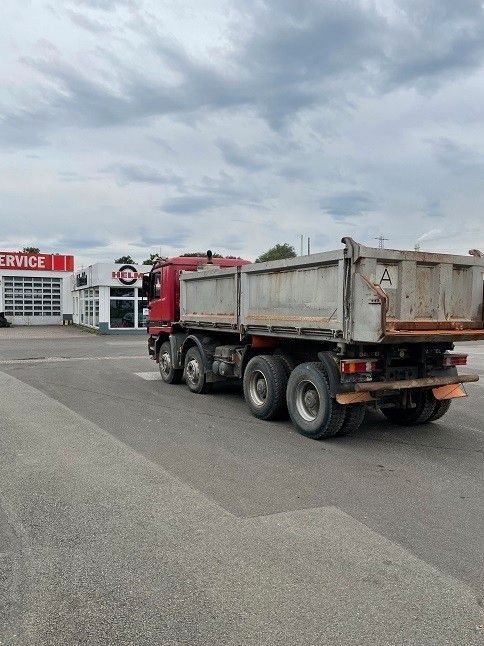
[433,325]
[288,319]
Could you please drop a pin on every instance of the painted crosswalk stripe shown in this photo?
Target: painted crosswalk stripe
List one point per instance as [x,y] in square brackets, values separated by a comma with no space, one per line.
[149,376]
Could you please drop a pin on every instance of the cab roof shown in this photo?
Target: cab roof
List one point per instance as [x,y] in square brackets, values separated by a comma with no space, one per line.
[193,261]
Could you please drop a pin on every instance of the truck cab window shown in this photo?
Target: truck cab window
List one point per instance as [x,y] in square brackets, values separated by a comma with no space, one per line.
[157,285]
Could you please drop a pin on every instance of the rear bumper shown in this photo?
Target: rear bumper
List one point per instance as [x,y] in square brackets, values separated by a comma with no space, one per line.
[426,382]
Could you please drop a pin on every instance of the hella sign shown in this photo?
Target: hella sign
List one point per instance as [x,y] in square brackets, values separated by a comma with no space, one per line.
[127,275]
[35,261]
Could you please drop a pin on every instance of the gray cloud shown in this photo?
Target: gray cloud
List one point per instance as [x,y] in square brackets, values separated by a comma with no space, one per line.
[84,21]
[347,204]
[189,204]
[174,239]
[260,119]
[80,242]
[288,59]
[237,156]
[129,173]
[104,5]
[455,156]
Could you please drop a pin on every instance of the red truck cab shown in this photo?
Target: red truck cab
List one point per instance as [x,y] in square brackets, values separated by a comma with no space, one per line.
[162,288]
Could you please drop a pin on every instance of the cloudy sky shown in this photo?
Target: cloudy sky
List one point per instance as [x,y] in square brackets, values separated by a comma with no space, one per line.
[131,126]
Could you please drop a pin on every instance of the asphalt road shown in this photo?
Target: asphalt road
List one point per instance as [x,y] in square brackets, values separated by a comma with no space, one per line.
[132,512]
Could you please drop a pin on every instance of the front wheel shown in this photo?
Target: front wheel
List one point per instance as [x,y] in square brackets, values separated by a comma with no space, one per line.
[313,411]
[168,374]
[195,377]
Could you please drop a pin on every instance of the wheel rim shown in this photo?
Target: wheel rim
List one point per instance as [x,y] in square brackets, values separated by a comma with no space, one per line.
[308,402]
[192,371]
[258,388]
[165,364]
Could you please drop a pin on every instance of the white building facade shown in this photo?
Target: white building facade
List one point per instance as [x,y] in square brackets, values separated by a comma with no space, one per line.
[107,297]
[35,289]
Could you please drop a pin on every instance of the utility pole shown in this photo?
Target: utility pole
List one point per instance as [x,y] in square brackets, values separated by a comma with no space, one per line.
[302,243]
[381,242]
[309,246]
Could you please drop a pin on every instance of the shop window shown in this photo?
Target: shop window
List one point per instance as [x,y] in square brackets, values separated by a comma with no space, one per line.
[122,292]
[122,313]
[142,310]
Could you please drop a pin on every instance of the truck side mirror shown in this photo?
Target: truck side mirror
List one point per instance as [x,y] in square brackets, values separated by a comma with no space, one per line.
[145,288]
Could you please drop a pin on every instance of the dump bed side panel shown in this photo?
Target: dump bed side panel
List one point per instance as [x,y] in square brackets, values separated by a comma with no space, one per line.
[301,297]
[209,299]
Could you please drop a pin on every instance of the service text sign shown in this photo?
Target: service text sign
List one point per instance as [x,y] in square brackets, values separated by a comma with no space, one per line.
[19,261]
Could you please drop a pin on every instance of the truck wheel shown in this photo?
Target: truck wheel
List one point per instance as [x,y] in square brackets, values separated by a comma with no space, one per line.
[313,411]
[440,409]
[195,372]
[168,374]
[354,416]
[289,362]
[265,381]
[421,414]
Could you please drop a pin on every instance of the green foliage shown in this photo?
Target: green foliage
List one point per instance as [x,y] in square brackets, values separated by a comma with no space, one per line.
[278,252]
[199,254]
[125,260]
[31,250]
[153,258]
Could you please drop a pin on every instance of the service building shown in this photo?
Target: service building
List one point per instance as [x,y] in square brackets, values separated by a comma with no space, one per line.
[35,288]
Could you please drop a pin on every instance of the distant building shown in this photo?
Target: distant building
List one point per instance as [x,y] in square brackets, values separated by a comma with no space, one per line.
[107,297]
[35,287]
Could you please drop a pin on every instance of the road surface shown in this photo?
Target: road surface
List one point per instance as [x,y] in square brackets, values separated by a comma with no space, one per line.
[132,512]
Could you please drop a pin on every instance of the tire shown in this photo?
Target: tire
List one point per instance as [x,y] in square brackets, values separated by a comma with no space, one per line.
[354,416]
[313,411]
[168,374]
[289,362]
[265,381]
[194,372]
[441,407]
[421,414]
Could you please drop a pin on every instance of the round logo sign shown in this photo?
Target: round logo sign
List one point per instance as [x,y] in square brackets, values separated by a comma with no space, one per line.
[131,277]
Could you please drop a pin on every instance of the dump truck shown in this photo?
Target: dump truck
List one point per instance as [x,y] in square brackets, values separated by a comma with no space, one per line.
[321,337]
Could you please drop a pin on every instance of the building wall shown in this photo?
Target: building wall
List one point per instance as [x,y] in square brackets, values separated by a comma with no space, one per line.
[103,301]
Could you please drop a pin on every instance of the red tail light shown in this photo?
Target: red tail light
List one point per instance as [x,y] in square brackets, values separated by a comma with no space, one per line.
[454,360]
[355,366]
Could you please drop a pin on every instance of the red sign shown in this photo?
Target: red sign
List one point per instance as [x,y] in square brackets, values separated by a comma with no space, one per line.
[19,261]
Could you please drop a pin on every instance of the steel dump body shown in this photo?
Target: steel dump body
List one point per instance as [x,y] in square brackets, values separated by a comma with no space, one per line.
[357,295]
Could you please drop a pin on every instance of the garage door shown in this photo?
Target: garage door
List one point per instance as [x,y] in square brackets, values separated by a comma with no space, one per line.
[32,300]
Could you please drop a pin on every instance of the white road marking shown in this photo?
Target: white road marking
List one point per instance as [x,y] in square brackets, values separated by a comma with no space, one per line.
[61,359]
[149,376]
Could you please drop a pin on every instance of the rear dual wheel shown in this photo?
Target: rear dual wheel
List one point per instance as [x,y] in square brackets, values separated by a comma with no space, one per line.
[427,409]
[313,411]
[265,381]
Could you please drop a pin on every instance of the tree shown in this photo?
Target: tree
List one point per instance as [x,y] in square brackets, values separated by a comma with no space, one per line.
[31,250]
[199,254]
[278,252]
[153,258]
[125,260]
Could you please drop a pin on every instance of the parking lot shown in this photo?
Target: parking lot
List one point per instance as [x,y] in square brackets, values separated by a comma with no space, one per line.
[133,512]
